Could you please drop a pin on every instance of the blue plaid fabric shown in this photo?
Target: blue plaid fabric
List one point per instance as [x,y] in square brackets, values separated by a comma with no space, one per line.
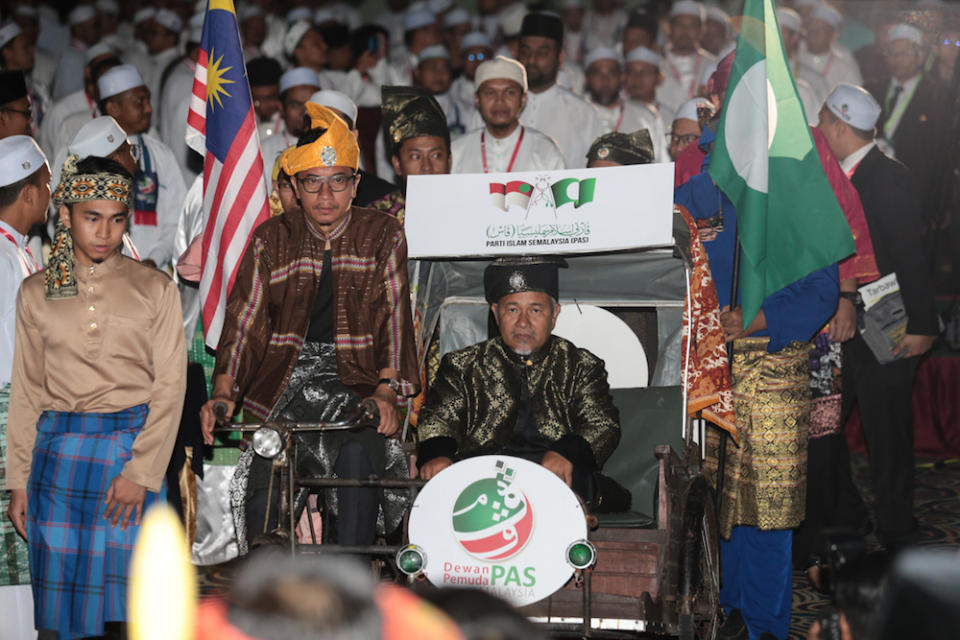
[79,561]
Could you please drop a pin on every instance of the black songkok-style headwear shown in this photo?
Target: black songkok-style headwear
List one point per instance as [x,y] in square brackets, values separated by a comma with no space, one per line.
[518,274]
[263,71]
[546,25]
[623,148]
[13,86]
[409,112]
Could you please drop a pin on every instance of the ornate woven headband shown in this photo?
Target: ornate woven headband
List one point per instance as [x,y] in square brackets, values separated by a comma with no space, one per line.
[80,187]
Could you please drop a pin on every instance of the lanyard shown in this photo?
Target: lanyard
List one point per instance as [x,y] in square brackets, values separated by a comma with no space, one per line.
[28,267]
[893,120]
[692,89]
[91,104]
[826,67]
[513,158]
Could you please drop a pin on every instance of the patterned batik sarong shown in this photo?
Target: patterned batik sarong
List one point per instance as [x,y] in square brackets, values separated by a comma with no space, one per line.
[765,478]
[79,560]
[825,386]
[14,563]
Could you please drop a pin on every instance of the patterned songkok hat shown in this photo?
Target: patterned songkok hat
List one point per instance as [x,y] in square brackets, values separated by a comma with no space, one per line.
[623,148]
[409,112]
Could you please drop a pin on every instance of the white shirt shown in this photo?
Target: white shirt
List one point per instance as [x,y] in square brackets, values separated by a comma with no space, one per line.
[58,128]
[463,93]
[15,265]
[158,62]
[628,116]
[570,120]
[69,76]
[681,75]
[155,242]
[834,67]
[175,103]
[602,29]
[459,117]
[536,152]
[852,160]
[272,147]
[189,226]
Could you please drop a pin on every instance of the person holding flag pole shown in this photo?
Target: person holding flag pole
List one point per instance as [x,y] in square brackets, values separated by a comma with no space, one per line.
[763,202]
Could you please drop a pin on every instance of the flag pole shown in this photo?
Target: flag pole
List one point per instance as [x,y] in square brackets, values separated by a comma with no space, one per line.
[724,436]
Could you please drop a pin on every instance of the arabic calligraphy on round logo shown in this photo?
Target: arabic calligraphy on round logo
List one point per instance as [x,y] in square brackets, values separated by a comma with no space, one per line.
[492,520]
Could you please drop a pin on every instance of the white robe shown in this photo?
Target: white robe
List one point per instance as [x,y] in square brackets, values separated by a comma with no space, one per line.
[156,242]
[272,147]
[682,77]
[189,226]
[175,104]
[834,67]
[567,118]
[69,75]
[158,62]
[537,152]
[60,123]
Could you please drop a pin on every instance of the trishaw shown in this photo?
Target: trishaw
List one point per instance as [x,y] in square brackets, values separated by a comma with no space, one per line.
[652,570]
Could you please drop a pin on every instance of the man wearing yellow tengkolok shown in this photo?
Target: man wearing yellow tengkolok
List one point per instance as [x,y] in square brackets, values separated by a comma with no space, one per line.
[318,319]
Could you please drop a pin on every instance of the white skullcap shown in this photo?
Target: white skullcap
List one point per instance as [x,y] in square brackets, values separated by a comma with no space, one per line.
[249,11]
[97,50]
[455,17]
[299,13]
[98,137]
[511,19]
[688,110]
[439,6]
[827,14]
[432,52]
[336,100]
[475,39]
[299,77]
[854,105]
[82,13]
[20,157]
[119,79]
[196,20]
[294,35]
[789,19]
[8,32]
[108,6]
[320,16]
[571,4]
[195,34]
[718,14]
[905,32]
[601,53]
[501,68]
[688,8]
[642,54]
[144,14]
[26,10]
[169,20]
[417,19]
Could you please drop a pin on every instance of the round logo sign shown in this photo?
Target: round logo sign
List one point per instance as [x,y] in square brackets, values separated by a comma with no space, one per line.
[499,523]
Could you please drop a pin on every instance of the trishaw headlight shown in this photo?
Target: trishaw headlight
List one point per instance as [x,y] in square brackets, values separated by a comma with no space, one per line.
[411,560]
[581,554]
[268,442]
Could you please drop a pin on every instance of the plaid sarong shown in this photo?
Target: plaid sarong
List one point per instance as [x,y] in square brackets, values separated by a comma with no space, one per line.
[14,566]
[78,559]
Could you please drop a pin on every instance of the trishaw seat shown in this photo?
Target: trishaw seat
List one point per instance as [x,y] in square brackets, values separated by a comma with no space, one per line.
[649,416]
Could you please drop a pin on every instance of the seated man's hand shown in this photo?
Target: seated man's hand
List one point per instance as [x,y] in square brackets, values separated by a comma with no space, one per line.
[386,401]
[434,467]
[208,419]
[559,465]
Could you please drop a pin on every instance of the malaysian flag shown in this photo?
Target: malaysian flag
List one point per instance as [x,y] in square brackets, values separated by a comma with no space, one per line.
[222,126]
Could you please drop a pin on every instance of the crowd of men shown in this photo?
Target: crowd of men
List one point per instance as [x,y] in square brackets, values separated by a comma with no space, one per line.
[95,339]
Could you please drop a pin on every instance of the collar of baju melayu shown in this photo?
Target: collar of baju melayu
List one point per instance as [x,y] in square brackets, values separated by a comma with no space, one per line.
[60,276]
[335,233]
[534,358]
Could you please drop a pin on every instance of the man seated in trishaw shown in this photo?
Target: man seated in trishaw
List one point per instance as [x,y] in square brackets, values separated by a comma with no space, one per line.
[525,393]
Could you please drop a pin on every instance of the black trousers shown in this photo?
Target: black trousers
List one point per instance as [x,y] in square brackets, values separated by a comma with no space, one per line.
[884,395]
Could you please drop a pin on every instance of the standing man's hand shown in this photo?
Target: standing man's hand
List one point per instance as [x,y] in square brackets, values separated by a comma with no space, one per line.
[17,511]
[843,324]
[914,345]
[124,501]
[559,465]
[386,401]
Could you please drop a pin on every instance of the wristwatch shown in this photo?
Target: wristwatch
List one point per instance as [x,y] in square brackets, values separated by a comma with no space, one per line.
[852,296]
[393,383]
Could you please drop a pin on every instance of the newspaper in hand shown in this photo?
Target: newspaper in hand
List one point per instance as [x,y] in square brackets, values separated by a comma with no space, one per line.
[884,321]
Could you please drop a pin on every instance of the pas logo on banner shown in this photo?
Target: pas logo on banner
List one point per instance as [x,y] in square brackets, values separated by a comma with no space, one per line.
[536,212]
[498,523]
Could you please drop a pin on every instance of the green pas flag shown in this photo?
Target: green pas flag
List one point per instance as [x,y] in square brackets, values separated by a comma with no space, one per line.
[765,161]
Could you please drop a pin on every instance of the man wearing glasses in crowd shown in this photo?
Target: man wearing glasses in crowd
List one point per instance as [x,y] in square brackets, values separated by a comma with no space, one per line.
[318,318]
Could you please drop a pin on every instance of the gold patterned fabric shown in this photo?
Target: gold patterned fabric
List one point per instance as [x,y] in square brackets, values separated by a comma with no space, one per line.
[59,276]
[765,478]
[409,112]
[475,399]
[337,147]
[623,148]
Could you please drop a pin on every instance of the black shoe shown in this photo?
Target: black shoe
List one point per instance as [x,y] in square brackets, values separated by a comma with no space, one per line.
[734,628]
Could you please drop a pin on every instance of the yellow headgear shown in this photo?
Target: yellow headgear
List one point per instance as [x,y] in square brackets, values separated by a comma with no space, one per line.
[337,147]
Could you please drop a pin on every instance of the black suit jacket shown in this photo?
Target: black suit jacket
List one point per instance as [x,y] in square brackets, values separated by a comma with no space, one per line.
[371,188]
[918,140]
[891,205]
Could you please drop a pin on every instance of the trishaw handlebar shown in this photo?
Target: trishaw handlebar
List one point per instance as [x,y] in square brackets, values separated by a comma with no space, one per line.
[366,415]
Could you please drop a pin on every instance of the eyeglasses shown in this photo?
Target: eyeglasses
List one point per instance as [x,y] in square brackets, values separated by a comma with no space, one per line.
[476,57]
[26,113]
[337,182]
[690,138]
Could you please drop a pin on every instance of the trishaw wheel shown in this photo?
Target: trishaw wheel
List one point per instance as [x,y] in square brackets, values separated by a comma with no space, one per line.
[700,581]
